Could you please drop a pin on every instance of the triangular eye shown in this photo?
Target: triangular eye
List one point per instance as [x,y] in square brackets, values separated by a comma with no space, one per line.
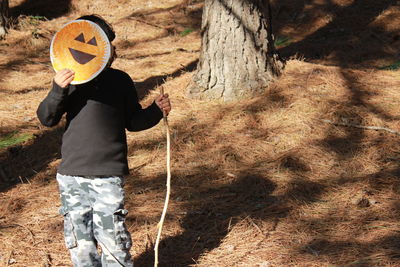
[92,41]
[80,38]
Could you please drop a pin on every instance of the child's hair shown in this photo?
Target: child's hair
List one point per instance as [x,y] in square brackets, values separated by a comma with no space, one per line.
[104,25]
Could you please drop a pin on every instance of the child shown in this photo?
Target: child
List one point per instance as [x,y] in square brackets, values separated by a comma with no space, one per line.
[94,157]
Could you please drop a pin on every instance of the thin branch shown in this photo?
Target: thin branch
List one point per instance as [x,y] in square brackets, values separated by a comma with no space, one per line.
[150,24]
[164,212]
[377,128]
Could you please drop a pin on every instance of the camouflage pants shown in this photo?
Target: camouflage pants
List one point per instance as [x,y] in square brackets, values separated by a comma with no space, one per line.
[94,214]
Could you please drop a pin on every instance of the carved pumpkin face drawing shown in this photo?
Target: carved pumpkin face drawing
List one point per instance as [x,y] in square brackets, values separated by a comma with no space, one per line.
[81,46]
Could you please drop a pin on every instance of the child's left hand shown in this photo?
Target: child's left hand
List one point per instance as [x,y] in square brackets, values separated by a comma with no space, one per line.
[163,103]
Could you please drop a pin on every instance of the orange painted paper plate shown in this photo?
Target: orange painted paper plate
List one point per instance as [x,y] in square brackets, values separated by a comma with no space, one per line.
[81,46]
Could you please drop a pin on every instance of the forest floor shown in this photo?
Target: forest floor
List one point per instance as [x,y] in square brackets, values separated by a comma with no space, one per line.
[292,178]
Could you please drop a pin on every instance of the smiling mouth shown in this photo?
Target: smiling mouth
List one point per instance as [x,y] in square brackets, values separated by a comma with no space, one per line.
[81,57]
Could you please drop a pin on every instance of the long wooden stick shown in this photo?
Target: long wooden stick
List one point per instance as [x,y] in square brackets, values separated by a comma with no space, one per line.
[164,212]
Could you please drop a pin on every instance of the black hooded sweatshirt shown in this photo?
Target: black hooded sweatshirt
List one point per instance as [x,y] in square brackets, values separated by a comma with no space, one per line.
[97,114]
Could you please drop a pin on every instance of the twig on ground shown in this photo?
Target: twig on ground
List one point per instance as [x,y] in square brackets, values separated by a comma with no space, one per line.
[195,243]
[377,128]
[229,225]
[255,225]
[164,212]
[149,23]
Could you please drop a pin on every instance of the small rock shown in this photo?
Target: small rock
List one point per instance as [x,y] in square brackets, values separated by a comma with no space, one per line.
[12,261]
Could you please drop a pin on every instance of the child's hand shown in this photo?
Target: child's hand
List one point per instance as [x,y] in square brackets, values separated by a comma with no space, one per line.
[64,77]
[163,103]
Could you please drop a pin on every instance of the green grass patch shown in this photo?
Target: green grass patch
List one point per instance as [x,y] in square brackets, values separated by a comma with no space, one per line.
[394,66]
[14,139]
[186,31]
[38,17]
[35,20]
[282,41]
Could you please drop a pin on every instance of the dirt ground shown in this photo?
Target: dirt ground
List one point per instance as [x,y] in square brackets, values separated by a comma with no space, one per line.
[296,177]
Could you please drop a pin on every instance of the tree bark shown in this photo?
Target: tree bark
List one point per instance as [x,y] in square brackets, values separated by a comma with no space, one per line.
[3,18]
[238,58]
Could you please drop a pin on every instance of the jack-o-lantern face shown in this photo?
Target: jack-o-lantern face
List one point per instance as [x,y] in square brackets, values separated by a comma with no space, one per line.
[82,46]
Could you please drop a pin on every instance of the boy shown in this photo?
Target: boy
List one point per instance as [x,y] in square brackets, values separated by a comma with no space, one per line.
[94,157]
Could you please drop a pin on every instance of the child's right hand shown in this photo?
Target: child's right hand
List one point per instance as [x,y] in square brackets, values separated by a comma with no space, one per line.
[64,77]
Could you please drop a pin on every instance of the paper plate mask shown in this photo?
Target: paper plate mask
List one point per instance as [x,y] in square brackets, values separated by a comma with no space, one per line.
[81,46]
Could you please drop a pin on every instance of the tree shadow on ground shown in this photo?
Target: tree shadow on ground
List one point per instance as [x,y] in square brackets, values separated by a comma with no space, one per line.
[389,244]
[207,222]
[211,209]
[349,144]
[360,96]
[377,251]
[49,8]
[20,163]
[33,55]
[349,38]
[185,9]
[214,203]
[144,87]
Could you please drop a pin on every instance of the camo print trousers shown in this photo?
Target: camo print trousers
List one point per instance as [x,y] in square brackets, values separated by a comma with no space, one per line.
[94,214]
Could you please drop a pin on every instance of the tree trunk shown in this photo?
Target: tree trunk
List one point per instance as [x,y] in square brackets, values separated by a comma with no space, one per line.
[3,18]
[237,58]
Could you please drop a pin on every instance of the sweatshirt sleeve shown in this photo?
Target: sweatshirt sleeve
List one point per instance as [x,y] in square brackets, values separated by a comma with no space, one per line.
[138,118]
[53,106]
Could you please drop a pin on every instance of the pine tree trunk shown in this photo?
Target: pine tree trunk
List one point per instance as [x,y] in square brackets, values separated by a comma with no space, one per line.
[3,18]
[237,58]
